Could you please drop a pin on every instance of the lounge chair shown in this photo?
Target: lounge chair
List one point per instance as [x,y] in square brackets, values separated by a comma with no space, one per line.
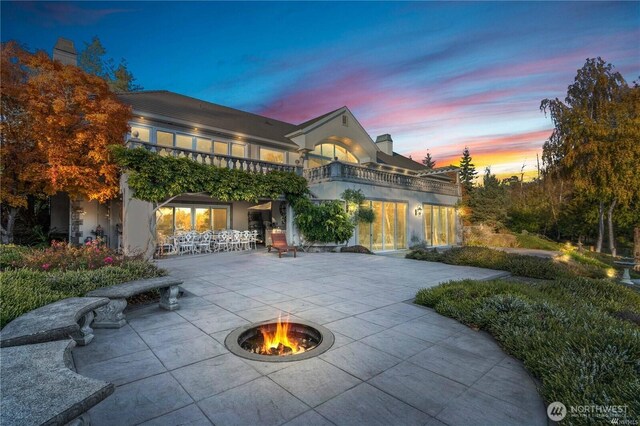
[279,242]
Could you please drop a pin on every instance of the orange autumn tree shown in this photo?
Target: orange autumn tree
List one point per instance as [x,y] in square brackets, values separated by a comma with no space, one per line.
[61,121]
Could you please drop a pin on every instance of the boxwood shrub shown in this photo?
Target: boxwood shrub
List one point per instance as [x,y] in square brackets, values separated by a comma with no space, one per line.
[567,332]
[22,290]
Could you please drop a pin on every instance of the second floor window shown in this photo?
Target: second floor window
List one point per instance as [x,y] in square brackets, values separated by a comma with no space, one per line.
[327,152]
[271,155]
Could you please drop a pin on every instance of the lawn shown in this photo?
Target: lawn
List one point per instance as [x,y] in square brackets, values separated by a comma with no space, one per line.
[31,278]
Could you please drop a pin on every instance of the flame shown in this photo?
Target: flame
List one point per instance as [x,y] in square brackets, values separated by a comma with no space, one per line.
[280,339]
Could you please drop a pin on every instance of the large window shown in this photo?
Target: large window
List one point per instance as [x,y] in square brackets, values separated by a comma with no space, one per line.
[271,155]
[439,225]
[164,138]
[186,218]
[140,133]
[389,228]
[184,141]
[220,148]
[326,152]
[237,150]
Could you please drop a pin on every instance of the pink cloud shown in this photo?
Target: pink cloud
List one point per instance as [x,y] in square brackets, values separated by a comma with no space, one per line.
[497,146]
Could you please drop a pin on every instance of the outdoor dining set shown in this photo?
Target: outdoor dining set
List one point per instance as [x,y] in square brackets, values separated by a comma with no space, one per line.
[193,242]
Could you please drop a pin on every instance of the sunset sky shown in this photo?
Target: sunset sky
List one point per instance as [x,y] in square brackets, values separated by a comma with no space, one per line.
[437,76]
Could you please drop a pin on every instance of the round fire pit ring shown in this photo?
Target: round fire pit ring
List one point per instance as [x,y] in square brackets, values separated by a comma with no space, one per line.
[320,336]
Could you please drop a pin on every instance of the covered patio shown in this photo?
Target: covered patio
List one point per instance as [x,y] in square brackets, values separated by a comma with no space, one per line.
[392,362]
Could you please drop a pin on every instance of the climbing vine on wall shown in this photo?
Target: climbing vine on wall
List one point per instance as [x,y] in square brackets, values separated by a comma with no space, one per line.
[158,179]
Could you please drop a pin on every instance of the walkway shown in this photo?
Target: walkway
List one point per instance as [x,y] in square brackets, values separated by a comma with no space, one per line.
[393,363]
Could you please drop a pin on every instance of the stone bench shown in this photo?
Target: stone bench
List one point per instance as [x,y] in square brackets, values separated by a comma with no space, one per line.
[40,386]
[112,316]
[56,321]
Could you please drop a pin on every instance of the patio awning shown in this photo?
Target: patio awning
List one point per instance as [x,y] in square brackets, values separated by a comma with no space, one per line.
[265,206]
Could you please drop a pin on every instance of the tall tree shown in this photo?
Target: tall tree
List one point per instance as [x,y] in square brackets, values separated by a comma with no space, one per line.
[595,140]
[93,60]
[489,202]
[468,171]
[428,161]
[18,148]
[61,120]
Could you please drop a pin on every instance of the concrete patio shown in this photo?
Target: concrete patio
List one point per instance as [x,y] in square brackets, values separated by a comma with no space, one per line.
[392,362]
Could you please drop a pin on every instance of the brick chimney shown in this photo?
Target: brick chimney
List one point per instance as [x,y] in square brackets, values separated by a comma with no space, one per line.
[65,52]
[385,143]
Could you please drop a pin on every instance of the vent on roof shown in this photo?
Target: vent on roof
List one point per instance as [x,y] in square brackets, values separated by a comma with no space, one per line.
[268,123]
[345,120]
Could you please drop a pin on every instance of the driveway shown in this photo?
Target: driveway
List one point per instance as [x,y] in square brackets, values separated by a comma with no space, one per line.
[392,362]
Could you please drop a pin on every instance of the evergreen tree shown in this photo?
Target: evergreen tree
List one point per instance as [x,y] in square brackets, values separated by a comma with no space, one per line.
[489,202]
[428,161]
[467,170]
[93,60]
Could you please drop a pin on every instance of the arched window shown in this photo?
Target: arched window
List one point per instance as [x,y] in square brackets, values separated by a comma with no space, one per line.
[326,152]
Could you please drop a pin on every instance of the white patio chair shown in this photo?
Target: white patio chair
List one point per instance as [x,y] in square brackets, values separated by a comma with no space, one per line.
[253,239]
[245,240]
[234,241]
[204,244]
[185,244]
[222,241]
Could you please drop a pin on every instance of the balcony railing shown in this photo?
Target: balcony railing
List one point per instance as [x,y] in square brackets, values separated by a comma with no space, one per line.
[347,172]
[217,160]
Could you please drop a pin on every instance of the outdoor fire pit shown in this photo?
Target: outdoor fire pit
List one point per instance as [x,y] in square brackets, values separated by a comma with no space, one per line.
[278,341]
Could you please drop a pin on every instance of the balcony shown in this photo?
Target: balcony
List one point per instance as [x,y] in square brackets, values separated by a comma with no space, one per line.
[378,175]
[226,161]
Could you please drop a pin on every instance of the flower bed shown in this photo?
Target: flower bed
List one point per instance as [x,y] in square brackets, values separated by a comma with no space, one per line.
[32,278]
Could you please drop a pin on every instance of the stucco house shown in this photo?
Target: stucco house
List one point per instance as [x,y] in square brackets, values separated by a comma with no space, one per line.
[332,151]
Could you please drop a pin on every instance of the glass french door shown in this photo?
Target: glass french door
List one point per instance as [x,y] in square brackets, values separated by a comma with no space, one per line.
[389,228]
[439,225]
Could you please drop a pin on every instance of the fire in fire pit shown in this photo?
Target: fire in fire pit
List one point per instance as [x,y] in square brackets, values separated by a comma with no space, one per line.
[280,340]
[286,339]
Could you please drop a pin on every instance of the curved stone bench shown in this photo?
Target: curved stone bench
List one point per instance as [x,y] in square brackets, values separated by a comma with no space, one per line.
[111,315]
[40,388]
[56,321]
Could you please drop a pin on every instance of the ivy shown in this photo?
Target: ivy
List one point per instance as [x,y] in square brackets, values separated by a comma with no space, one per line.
[156,178]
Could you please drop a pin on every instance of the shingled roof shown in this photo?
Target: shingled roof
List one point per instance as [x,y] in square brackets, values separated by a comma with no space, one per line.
[171,105]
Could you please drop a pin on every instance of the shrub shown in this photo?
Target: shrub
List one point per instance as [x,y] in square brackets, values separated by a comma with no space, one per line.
[566,332]
[22,290]
[66,257]
[11,255]
[355,249]
[521,265]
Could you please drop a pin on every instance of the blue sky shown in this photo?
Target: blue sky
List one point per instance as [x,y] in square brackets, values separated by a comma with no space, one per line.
[435,75]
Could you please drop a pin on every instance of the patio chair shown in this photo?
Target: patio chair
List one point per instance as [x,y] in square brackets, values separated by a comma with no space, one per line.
[204,245]
[245,240]
[253,239]
[222,241]
[279,242]
[234,240]
[185,244]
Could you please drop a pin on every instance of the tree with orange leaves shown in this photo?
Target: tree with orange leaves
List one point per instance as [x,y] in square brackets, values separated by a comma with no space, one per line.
[57,122]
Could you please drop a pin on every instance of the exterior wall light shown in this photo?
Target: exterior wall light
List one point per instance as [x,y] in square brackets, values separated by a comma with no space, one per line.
[418,211]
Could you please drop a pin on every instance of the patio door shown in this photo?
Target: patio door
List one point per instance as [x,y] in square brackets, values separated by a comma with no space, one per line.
[388,230]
